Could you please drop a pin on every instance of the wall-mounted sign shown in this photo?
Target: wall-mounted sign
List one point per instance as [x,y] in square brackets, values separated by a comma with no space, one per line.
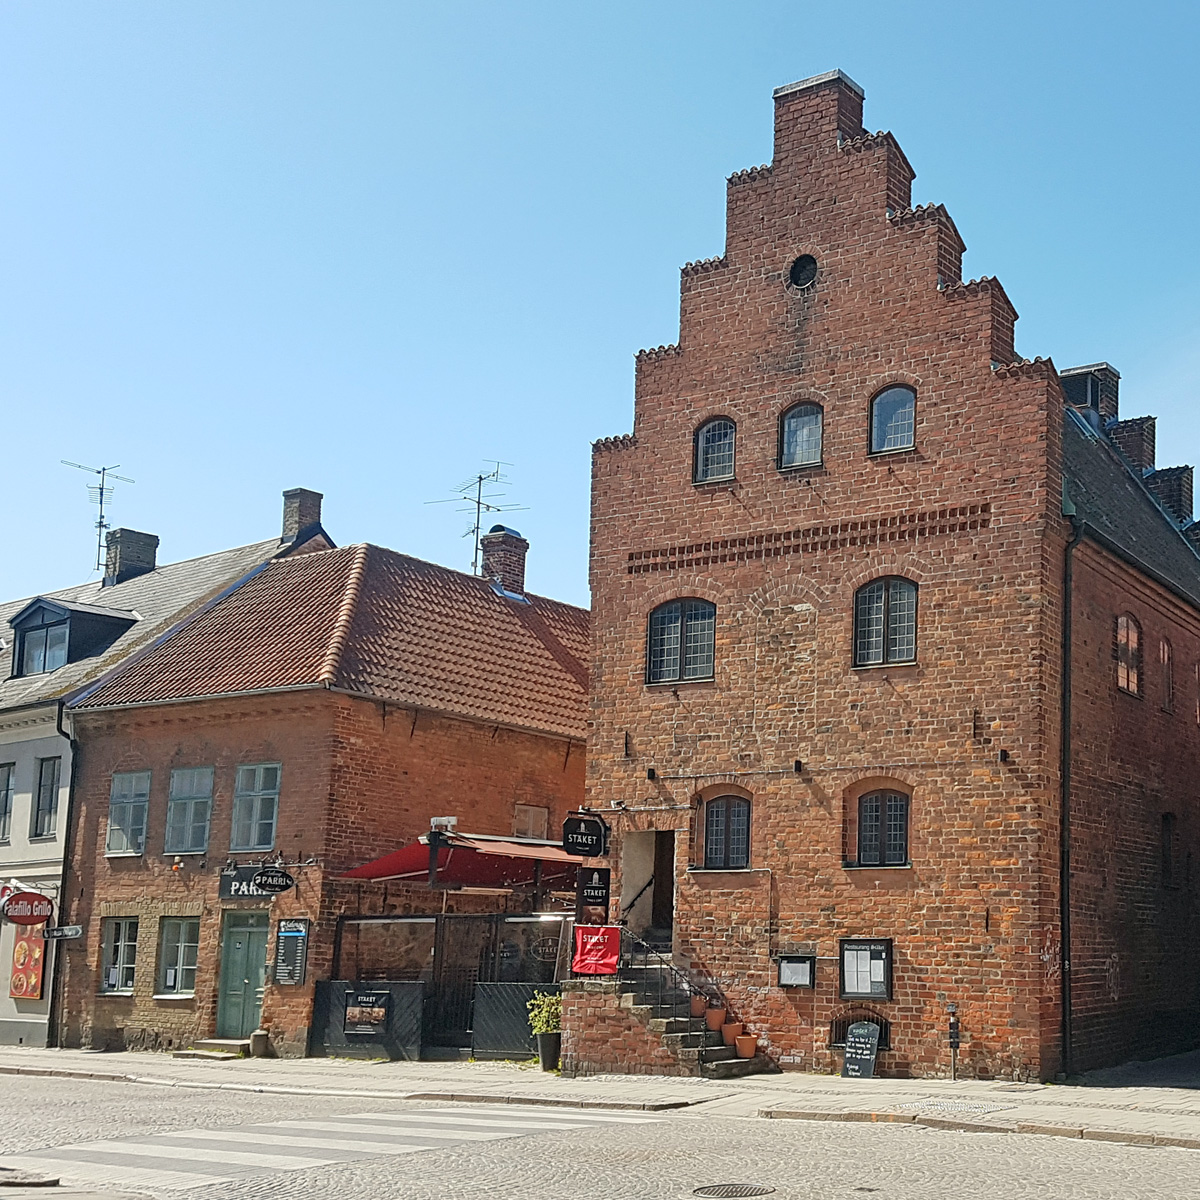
[592,897]
[862,1045]
[273,880]
[586,836]
[291,951]
[62,932]
[367,1011]
[597,949]
[866,968]
[798,970]
[238,884]
[28,908]
[28,963]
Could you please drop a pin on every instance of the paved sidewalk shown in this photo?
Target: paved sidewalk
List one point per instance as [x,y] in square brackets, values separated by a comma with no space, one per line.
[1130,1104]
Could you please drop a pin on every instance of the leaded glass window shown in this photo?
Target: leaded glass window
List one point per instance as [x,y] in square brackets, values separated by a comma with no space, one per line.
[714,450]
[727,834]
[893,420]
[885,622]
[681,641]
[800,436]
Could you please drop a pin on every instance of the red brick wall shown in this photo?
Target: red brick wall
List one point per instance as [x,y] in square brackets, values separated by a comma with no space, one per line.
[358,781]
[974,918]
[600,1035]
[1135,935]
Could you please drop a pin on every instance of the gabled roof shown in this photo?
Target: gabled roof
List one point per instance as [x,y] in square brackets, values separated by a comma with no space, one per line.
[369,621]
[159,599]
[64,608]
[1120,510]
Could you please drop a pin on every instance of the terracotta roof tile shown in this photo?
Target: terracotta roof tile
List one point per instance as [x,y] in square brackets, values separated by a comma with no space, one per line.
[374,622]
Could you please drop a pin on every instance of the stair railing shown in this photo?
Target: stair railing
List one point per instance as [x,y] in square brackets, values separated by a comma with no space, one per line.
[666,987]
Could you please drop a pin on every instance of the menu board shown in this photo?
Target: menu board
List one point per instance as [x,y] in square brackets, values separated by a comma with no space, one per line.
[291,951]
[28,965]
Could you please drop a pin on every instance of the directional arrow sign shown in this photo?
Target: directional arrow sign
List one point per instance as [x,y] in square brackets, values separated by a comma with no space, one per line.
[63,931]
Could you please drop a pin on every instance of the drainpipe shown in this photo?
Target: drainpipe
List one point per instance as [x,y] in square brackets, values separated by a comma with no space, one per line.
[1064,823]
[53,1033]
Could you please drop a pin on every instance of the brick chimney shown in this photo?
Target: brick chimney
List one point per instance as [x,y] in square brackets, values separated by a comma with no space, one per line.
[128,554]
[1135,439]
[301,511]
[1173,487]
[504,553]
[1094,386]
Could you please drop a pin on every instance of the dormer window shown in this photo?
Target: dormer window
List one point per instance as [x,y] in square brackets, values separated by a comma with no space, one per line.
[43,648]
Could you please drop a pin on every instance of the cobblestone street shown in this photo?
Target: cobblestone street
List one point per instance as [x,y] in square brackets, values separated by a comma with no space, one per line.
[527,1151]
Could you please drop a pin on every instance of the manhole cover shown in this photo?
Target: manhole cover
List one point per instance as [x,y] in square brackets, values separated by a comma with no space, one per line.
[732,1189]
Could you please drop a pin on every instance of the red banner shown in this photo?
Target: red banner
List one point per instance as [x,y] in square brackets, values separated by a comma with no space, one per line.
[597,949]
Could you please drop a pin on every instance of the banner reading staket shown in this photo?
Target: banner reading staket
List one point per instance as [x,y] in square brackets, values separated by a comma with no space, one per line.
[597,949]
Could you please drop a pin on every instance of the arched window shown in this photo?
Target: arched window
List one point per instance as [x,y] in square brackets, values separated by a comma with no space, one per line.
[881,832]
[893,419]
[727,834]
[1167,666]
[714,450]
[680,641]
[800,436]
[885,622]
[1129,654]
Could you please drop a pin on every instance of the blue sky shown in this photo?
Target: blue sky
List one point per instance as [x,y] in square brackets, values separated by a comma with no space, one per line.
[363,247]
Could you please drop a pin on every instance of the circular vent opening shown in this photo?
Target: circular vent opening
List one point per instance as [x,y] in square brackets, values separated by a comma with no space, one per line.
[802,272]
[732,1189]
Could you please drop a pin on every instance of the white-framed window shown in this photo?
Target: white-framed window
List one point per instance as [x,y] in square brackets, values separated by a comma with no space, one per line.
[800,436]
[530,820]
[255,807]
[178,945]
[43,648]
[128,799]
[7,770]
[189,809]
[45,803]
[714,450]
[120,954]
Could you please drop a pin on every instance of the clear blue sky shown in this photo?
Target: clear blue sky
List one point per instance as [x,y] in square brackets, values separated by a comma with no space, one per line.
[362,247]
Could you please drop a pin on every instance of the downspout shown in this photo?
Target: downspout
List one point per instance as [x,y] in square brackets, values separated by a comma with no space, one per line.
[1064,823]
[57,984]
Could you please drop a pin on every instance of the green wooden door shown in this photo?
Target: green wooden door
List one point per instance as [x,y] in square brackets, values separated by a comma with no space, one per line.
[243,974]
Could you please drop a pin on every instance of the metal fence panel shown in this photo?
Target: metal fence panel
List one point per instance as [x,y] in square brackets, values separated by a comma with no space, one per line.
[399,1039]
[502,1020]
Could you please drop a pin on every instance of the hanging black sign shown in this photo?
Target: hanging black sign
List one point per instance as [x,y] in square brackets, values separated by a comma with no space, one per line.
[862,1045]
[273,880]
[586,836]
[291,951]
[366,1011]
[592,897]
[238,884]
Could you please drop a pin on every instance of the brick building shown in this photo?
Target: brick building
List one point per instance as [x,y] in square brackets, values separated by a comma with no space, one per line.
[837,569]
[315,718]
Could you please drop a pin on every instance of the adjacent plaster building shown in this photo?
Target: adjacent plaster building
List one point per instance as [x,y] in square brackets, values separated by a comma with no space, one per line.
[896,651]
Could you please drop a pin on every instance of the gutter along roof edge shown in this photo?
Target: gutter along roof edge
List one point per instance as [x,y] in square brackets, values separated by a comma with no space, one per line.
[275,691]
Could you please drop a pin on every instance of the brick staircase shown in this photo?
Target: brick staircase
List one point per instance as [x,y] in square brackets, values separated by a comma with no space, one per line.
[655,994]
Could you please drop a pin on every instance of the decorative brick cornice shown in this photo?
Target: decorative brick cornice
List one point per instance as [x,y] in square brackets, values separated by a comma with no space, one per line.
[926,213]
[750,175]
[1028,368]
[623,441]
[655,353]
[704,265]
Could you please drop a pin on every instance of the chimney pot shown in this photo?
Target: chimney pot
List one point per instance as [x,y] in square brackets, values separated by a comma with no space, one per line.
[301,511]
[128,554]
[504,553]
[1135,439]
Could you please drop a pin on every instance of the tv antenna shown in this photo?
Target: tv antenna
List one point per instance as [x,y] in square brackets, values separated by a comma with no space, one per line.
[99,494]
[476,499]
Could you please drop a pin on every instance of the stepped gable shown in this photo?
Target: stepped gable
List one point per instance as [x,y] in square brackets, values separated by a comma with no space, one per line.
[749,175]
[658,352]
[1121,511]
[622,441]
[369,621]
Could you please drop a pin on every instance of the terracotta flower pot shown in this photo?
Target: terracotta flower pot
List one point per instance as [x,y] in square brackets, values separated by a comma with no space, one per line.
[714,1018]
[747,1045]
[699,1004]
[731,1031]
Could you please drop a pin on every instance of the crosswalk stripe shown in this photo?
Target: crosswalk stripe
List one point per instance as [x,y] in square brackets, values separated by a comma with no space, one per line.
[575,1115]
[458,1135]
[394,1145]
[98,1172]
[444,1117]
[263,1158]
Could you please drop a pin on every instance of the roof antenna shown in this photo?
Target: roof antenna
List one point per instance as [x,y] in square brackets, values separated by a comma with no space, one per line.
[99,494]
[479,501]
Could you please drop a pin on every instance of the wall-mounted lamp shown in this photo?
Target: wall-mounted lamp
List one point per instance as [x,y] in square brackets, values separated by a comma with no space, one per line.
[177,865]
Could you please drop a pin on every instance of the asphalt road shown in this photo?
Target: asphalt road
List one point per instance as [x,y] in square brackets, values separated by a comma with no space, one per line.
[132,1137]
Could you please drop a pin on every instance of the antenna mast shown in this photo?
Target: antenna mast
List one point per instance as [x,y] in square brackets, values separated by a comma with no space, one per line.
[479,502]
[99,494]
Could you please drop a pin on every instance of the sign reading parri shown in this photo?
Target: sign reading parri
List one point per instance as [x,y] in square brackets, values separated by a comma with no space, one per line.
[291,951]
[273,880]
[238,884]
[587,836]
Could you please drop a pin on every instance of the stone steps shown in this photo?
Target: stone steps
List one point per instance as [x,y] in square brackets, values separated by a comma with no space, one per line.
[735,1068]
[208,1055]
[235,1046]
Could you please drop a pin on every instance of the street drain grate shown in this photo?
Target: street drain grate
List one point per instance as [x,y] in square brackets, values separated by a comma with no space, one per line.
[732,1189]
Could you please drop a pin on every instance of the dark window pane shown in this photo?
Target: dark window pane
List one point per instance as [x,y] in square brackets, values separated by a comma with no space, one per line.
[893,417]
[868,624]
[714,834]
[665,631]
[902,621]
[869,815]
[895,851]
[739,833]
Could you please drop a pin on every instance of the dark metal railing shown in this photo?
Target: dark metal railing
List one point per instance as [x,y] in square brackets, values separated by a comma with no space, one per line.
[659,981]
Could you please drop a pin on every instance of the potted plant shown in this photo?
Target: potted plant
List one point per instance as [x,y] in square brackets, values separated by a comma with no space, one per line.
[545,1019]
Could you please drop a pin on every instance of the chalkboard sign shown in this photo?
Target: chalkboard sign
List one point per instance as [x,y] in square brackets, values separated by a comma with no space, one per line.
[862,1044]
[291,951]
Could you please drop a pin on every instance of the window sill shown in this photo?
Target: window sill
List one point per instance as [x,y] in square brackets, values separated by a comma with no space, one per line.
[792,468]
[1132,695]
[184,853]
[679,683]
[173,996]
[123,853]
[888,666]
[854,866]
[728,870]
[720,481]
[43,837]
[250,850]
[119,992]
[891,453]
[865,999]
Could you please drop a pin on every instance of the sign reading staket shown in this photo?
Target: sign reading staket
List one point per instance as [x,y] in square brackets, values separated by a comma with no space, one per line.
[587,836]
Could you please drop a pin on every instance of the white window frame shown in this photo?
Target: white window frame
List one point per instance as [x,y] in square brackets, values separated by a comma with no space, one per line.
[128,804]
[251,800]
[7,772]
[531,820]
[178,950]
[119,963]
[43,819]
[189,810]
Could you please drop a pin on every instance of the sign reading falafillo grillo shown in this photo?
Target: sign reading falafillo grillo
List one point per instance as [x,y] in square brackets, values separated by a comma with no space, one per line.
[28,908]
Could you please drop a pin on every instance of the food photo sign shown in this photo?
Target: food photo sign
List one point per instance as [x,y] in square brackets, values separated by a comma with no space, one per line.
[26,910]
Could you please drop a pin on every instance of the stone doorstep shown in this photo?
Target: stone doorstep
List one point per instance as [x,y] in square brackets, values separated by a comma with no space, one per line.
[1126,1137]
